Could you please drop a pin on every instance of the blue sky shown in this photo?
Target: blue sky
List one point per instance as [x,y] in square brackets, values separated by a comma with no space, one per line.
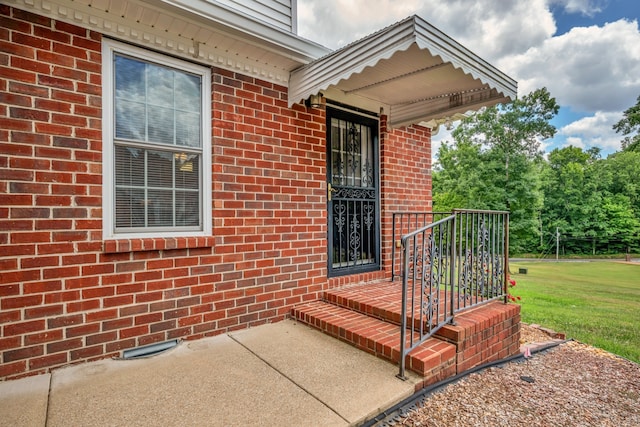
[605,12]
[586,52]
[609,11]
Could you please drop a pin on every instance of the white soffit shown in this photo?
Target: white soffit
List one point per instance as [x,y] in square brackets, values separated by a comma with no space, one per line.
[412,69]
[247,27]
[205,31]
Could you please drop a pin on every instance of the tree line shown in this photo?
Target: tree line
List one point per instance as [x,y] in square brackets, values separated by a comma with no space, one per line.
[573,197]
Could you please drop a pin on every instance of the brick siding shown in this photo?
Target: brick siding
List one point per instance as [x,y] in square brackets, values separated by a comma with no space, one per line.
[484,334]
[406,177]
[68,296]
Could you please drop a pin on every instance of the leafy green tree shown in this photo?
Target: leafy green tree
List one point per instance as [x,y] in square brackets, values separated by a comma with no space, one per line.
[622,172]
[494,163]
[623,169]
[515,129]
[591,200]
[630,125]
[458,180]
[622,226]
[572,197]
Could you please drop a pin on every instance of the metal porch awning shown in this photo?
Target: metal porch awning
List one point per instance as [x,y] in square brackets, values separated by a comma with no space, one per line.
[412,70]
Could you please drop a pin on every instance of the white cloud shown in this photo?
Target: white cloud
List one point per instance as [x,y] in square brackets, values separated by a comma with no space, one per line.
[593,71]
[486,27]
[335,23]
[589,68]
[576,142]
[546,146]
[492,29]
[594,131]
[583,7]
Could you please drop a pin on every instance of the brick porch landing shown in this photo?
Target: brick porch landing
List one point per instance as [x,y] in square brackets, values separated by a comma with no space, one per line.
[367,316]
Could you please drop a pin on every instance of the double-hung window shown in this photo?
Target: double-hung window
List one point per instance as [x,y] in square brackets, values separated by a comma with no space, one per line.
[157,144]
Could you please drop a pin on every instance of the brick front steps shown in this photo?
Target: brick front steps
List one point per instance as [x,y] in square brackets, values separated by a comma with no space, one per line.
[367,316]
[434,359]
[484,334]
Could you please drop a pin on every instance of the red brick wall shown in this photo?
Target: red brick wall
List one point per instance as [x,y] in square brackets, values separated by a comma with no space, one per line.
[62,297]
[66,295]
[484,334]
[406,177]
[50,195]
[269,209]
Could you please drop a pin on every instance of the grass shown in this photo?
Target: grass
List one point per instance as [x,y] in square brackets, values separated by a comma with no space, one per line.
[552,256]
[597,303]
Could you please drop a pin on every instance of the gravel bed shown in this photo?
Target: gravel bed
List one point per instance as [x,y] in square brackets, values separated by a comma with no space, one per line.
[572,384]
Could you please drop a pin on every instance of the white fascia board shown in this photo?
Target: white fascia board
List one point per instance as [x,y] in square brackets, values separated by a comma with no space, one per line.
[436,112]
[353,58]
[367,52]
[263,34]
[438,43]
[109,18]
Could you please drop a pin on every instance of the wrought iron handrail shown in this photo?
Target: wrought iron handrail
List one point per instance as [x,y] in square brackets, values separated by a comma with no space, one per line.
[403,223]
[452,264]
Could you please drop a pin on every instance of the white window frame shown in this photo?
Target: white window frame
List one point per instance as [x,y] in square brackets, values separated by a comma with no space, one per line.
[109,49]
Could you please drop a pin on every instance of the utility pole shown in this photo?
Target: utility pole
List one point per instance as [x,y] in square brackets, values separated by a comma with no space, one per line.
[541,233]
[557,243]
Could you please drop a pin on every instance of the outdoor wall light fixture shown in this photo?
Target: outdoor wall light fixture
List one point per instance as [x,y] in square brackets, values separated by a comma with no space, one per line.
[315,101]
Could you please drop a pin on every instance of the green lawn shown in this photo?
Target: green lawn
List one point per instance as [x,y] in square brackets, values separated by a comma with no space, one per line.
[594,302]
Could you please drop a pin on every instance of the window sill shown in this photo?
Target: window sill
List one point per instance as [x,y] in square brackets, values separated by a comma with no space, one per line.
[156,244]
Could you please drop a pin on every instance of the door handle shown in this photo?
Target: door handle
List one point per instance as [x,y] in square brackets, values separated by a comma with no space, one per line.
[330,190]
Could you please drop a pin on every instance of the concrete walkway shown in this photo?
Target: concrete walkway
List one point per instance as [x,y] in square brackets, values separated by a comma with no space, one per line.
[282,374]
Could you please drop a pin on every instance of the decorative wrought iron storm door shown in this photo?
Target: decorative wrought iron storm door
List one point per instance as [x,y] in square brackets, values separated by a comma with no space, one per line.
[352,193]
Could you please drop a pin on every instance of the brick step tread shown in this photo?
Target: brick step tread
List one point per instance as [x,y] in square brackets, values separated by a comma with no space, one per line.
[376,337]
[383,300]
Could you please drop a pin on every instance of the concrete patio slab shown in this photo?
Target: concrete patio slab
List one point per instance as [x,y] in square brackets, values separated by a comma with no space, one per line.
[212,381]
[279,374]
[353,383]
[23,402]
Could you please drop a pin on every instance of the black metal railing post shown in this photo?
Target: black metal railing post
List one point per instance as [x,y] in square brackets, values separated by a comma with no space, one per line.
[403,315]
[452,264]
[506,257]
[393,246]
